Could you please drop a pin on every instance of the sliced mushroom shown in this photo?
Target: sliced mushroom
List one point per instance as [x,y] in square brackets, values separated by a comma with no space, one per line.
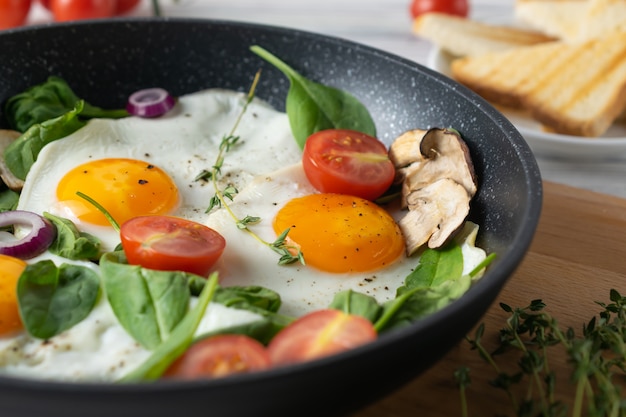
[406,147]
[6,138]
[445,155]
[435,213]
[438,183]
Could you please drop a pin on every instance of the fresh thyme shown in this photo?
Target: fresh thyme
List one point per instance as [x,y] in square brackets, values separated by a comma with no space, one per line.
[598,360]
[100,208]
[288,253]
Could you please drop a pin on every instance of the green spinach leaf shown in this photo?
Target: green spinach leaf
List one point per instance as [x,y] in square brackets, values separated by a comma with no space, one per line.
[8,200]
[71,243]
[420,302]
[53,299]
[352,302]
[312,106]
[178,342]
[49,100]
[435,267]
[149,304]
[22,153]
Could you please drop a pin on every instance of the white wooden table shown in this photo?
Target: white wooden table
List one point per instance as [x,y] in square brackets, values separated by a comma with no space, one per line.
[383,24]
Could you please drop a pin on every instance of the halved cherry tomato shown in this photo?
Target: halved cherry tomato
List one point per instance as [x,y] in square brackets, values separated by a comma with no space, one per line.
[347,162]
[219,356]
[65,10]
[454,7]
[320,333]
[125,6]
[171,244]
[13,13]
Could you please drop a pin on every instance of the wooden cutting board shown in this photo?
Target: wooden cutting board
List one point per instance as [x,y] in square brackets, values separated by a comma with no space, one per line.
[577,256]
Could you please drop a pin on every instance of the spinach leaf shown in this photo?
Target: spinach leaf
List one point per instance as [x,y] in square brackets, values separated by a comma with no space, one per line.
[178,342]
[312,106]
[49,100]
[22,153]
[148,303]
[420,302]
[71,243]
[251,296]
[53,299]
[435,267]
[8,200]
[352,302]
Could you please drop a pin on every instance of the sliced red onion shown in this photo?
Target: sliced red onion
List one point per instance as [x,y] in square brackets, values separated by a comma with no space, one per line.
[39,238]
[151,102]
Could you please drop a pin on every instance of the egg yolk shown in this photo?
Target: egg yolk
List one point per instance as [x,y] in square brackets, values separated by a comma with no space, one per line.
[341,233]
[10,270]
[126,188]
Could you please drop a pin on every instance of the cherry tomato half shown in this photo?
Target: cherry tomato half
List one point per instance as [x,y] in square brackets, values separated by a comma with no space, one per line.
[171,244]
[454,7]
[219,356]
[347,162]
[320,333]
[13,13]
[65,10]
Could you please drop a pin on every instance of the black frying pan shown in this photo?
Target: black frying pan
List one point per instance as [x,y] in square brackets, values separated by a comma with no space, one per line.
[105,61]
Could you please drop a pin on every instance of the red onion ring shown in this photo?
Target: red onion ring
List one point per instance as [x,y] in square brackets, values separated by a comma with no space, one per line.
[151,102]
[41,235]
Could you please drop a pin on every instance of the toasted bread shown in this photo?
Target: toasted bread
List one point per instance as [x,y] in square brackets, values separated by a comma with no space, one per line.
[572,88]
[573,20]
[464,37]
[559,18]
[603,17]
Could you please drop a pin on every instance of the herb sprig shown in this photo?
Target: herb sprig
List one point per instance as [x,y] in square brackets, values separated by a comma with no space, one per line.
[288,253]
[597,358]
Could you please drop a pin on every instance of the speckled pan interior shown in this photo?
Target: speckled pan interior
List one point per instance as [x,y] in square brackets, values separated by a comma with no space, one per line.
[106,61]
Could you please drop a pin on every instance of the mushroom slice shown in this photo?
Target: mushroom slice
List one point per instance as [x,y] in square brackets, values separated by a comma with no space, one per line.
[436,212]
[6,138]
[447,156]
[405,149]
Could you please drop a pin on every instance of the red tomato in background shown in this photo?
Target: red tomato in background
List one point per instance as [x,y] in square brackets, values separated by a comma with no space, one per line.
[219,356]
[454,7]
[45,3]
[168,243]
[13,13]
[65,10]
[125,6]
[347,162]
[320,333]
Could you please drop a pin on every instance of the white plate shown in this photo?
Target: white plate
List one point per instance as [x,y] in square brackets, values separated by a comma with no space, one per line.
[610,145]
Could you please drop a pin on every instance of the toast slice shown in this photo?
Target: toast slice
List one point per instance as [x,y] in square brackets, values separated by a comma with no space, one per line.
[572,88]
[603,17]
[559,18]
[464,37]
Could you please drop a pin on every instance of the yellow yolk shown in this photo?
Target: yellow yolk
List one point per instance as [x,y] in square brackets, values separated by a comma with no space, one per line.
[10,270]
[341,233]
[126,188]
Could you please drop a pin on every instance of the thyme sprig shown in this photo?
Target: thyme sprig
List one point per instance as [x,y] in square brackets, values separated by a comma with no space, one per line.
[288,253]
[597,358]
